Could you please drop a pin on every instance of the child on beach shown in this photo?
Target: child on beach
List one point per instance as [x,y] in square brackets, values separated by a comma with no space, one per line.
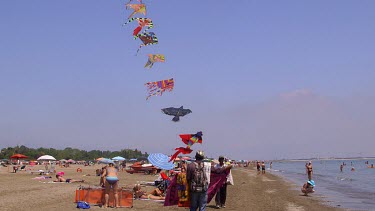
[308,187]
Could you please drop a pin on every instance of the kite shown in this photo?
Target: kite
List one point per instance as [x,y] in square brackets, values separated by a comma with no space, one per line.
[158,87]
[138,8]
[148,38]
[140,1]
[152,58]
[189,140]
[142,22]
[176,112]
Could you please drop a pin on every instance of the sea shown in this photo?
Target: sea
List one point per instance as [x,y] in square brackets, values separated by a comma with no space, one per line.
[353,190]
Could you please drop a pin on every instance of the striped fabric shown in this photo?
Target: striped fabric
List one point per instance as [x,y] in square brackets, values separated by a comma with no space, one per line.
[158,87]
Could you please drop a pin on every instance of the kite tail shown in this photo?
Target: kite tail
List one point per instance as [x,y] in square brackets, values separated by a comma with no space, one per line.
[183,150]
[149,64]
[136,31]
[139,49]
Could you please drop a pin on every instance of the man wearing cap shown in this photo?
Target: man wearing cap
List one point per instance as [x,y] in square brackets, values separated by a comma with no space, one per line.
[198,190]
[221,195]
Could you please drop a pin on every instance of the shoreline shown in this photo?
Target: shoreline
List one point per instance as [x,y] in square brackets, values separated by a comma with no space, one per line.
[249,192]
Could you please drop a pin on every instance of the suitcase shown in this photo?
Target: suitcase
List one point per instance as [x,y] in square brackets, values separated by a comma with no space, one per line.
[95,196]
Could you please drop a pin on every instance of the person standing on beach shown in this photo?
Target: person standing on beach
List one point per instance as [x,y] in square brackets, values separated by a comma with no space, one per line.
[111,182]
[309,170]
[341,167]
[221,194]
[271,165]
[263,168]
[197,180]
[258,167]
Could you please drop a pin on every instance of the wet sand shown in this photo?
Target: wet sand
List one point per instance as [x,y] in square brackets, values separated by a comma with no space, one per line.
[18,191]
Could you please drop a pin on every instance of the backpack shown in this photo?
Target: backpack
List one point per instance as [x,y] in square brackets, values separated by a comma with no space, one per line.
[199,181]
[83,205]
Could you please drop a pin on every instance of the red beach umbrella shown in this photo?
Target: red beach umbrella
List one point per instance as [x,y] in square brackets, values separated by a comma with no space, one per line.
[18,156]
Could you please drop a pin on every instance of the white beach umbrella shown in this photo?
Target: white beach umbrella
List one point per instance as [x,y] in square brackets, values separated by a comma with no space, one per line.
[46,157]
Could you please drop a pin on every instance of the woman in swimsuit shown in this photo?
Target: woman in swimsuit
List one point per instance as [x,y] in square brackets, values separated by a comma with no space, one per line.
[156,194]
[263,168]
[111,182]
[62,179]
[309,170]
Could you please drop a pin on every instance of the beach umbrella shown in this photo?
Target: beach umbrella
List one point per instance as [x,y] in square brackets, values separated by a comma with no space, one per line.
[161,161]
[46,157]
[18,156]
[71,161]
[105,161]
[118,158]
[98,159]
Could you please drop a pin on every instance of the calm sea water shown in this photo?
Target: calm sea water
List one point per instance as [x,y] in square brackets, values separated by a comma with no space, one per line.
[348,189]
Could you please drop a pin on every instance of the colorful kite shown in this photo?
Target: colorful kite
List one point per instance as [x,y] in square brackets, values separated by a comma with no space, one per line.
[148,38]
[158,87]
[140,1]
[189,140]
[152,58]
[138,8]
[142,22]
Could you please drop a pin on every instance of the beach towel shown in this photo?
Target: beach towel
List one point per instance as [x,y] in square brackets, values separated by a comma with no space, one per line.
[216,182]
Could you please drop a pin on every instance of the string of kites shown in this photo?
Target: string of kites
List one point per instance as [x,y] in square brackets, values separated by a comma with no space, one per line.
[159,87]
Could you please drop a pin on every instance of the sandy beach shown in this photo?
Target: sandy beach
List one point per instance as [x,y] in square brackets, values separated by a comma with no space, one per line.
[250,192]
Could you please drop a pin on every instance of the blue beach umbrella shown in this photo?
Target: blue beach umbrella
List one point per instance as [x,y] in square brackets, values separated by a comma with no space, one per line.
[105,161]
[161,161]
[118,158]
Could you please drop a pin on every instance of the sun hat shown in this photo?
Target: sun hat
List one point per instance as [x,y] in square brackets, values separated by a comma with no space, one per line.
[311,182]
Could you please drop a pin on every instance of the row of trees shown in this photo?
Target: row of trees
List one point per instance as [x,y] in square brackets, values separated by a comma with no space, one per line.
[69,153]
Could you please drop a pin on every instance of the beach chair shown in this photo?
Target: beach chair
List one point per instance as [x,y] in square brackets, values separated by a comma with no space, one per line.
[40,172]
[51,171]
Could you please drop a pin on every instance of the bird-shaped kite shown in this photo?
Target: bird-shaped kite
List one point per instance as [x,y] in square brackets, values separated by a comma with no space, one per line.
[176,112]
[148,38]
[158,87]
[152,58]
[138,8]
[142,22]
[189,140]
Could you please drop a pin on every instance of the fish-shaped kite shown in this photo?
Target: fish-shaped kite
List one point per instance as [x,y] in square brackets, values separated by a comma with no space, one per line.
[158,87]
[176,112]
[148,38]
[138,8]
[189,140]
[152,58]
[142,22]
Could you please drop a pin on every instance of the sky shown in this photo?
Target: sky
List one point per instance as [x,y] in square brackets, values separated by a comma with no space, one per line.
[264,79]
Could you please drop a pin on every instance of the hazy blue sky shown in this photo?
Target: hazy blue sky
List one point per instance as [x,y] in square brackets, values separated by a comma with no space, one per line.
[264,79]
